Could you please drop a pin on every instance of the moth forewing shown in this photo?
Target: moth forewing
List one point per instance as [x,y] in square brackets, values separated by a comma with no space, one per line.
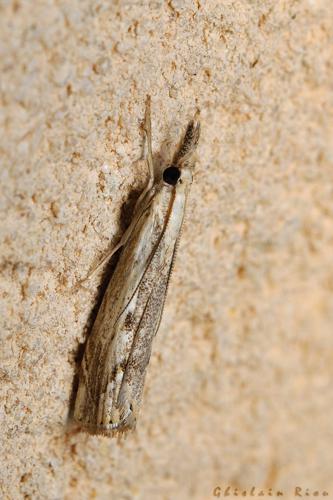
[118,349]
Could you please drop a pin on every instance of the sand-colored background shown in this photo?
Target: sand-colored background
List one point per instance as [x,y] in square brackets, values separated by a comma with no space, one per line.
[239,388]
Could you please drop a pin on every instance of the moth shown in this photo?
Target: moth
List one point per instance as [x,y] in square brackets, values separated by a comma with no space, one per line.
[117,353]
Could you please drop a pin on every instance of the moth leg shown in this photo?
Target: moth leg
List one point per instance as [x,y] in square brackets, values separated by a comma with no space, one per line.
[127,233]
[108,256]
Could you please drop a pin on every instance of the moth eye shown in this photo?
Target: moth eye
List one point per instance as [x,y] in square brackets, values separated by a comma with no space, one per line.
[171,175]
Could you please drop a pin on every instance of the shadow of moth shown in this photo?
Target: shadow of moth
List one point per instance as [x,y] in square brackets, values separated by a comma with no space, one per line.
[118,350]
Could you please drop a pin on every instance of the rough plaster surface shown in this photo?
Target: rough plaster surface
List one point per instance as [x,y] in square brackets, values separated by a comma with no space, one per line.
[239,388]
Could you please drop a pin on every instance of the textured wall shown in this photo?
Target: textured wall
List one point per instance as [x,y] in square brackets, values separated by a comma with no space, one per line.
[239,385]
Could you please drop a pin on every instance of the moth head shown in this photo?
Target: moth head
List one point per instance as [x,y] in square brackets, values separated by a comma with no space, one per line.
[172,175]
[175,174]
[181,166]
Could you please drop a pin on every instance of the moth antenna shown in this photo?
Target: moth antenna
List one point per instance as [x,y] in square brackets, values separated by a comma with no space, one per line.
[147,130]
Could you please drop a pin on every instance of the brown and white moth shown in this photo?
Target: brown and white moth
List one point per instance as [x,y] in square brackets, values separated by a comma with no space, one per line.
[118,349]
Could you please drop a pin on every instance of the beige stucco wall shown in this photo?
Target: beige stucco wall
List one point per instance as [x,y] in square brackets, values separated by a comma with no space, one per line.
[239,388]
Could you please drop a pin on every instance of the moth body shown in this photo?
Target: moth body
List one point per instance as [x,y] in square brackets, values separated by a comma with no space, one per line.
[118,350]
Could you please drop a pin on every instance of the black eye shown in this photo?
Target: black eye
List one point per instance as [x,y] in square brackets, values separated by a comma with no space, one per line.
[171,175]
